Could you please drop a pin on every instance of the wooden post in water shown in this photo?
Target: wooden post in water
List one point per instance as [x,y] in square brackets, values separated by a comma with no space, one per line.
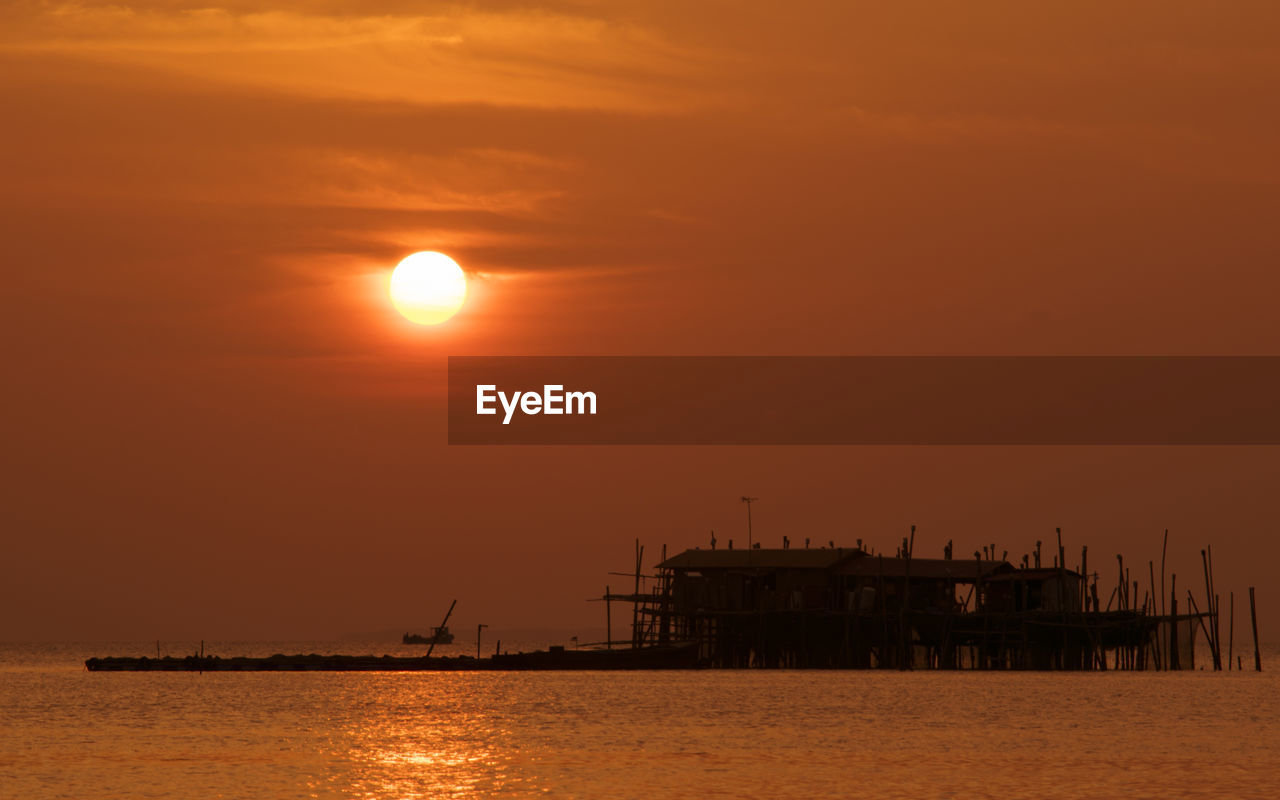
[1208,599]
[1231,631]
[1253,616]
[904,618]
[1084,577]
[1217,602]
[1124,588]
[1062,596]
[664,606]
[1217,635]
[1155,650]
[635,597]
[1163,552]
[1175,662]
[1086,658]
[1195,609]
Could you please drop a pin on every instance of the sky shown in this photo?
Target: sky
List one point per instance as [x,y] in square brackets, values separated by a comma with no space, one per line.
[217,426]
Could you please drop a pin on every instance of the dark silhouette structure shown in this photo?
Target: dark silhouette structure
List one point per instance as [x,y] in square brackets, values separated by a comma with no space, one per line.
[839,607]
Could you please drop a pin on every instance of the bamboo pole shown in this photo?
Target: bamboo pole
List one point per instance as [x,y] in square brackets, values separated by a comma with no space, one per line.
[1062,595]
[1084,577]
[1253,616]
[1231,631]
[664,609]
[1151,570]
[635,602]
[1208,599]
[1200,617]
[905,624]
[1123,583]
[1217,634]
[1163,552]
[1217,602]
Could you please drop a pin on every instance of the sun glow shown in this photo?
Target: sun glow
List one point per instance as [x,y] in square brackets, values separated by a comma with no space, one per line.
[428,288]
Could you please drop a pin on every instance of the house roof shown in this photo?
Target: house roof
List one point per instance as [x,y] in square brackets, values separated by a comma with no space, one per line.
[819,558]
[963,569]
[1034,574]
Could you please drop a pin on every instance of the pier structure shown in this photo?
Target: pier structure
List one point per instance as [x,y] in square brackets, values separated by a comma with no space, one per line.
[849,607]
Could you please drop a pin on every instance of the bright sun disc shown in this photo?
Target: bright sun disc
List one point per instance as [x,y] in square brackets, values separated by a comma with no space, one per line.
[428,288]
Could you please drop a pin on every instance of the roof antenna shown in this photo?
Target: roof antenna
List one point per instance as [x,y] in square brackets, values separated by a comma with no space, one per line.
[749,501]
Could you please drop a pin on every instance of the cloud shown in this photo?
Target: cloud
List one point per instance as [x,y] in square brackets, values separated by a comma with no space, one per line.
[457,55]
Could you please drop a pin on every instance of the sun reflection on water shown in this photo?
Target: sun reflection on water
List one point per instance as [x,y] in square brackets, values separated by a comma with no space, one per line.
[434,736]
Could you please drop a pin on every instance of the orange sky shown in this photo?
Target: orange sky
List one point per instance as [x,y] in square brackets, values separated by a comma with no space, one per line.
[216,425]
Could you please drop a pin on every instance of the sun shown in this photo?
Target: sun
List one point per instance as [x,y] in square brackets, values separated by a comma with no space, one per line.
[428,288]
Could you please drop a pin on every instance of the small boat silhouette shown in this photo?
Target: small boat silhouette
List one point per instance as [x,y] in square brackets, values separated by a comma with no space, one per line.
[439,635]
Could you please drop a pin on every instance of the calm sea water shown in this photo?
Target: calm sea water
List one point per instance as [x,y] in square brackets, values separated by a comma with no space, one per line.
[66,732]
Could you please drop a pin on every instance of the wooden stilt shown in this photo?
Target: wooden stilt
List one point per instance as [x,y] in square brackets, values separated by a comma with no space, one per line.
[1163,552]
[1253,616]
[1155,650]
[1231,631]
[1208,599]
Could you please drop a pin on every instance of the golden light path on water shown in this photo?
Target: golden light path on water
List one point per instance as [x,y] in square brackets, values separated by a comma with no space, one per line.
[776,734]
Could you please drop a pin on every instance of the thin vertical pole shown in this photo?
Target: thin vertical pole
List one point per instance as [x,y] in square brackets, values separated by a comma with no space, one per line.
[1124,588]
[1084,577]
[635,599]
[1231,631]
[1151,573]
[1208,599]
[1253,615]
[904,616]
[1217,606]
[750,540]
[1163,552]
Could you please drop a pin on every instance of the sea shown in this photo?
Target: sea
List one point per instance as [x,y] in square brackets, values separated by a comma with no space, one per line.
[67,732]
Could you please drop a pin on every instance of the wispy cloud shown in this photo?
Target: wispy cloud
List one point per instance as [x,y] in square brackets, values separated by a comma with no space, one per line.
[458,55]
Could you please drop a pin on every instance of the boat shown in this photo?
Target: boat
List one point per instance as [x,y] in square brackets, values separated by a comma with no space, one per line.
[439,635]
